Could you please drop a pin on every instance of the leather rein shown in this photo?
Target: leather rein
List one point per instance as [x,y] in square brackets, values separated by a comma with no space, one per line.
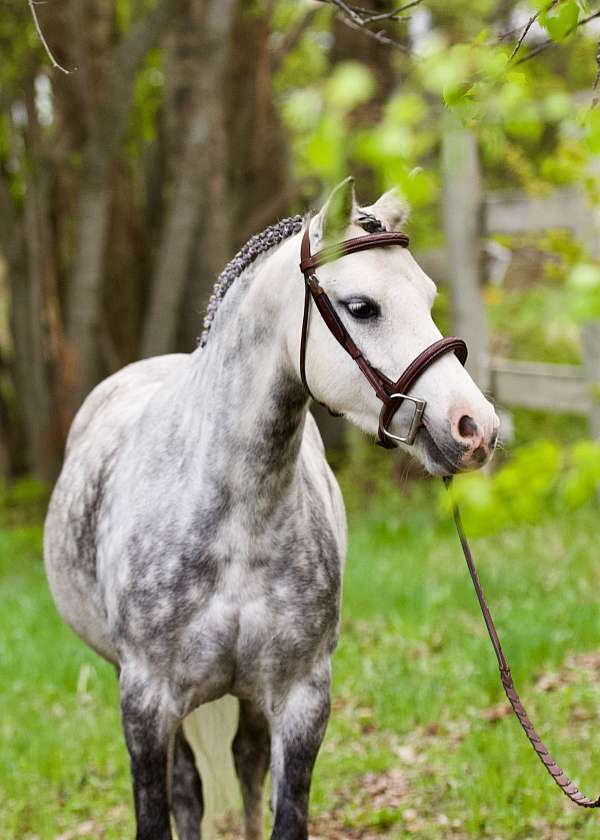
[392,394]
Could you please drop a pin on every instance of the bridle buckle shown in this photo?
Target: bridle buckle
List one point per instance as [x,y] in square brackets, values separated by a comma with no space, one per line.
[415,422]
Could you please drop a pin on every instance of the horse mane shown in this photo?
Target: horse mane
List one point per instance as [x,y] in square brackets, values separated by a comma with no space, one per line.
[248,253]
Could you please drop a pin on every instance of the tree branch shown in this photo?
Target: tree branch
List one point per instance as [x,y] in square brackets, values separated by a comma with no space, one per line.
[550,43]
[369,17]
[360,19]
[526,29]
[38,29]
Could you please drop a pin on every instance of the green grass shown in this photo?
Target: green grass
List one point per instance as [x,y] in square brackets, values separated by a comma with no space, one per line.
[62,760]
[415,654]
[418,743]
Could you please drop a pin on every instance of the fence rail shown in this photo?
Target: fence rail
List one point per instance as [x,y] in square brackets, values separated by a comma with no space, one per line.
[470,216]
[541,386]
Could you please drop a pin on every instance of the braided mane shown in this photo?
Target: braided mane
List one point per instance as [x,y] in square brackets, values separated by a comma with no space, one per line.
[254,247]
[257,245]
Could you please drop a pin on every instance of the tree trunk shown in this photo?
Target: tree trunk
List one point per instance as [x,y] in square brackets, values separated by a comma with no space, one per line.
[258,159]
[111,69]
[13,423]
[31,275]
[84,307]
[200,184]
[127,266]
[249,185]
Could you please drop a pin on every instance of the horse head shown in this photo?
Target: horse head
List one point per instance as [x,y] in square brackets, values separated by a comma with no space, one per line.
[384,300]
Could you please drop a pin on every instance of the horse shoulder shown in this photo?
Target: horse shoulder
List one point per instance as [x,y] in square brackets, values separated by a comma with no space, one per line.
[120,399]
[103,422]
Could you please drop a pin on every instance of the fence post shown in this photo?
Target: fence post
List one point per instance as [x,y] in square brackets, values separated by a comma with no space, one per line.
[590,338]
[463,221]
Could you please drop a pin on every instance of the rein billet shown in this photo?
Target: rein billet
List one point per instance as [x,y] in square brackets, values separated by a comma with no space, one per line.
[392,394]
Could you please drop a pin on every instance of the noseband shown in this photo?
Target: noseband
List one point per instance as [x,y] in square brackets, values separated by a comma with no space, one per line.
[391,393]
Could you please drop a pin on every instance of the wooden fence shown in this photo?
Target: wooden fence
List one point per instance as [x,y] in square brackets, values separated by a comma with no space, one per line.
[469,216]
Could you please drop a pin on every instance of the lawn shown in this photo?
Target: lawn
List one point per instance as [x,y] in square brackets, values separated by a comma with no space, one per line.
[419,742]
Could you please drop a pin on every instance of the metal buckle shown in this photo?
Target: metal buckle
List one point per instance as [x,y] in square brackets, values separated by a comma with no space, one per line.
[419,405]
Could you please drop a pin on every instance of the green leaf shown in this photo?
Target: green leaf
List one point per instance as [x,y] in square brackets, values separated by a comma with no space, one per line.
[302,108]
[419,186]
[350,85]
[583,478]
[561,19]
[456,93]
[592,130]
[584,276]
[525,123]
[406,109]
[584,283]
[556,106]
[326,150]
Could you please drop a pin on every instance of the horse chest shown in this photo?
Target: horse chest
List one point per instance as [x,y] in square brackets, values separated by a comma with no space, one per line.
[268,617]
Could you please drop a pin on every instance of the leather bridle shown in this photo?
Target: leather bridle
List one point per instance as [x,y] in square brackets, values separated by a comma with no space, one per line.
[392,394]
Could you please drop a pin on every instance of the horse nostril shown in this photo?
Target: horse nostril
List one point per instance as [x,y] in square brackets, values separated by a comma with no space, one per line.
[467,427]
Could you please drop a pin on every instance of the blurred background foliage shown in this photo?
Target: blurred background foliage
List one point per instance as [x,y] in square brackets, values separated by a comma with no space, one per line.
[186,125]
[537,130]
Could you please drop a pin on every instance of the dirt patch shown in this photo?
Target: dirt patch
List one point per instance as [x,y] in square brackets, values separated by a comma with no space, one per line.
[367,810]
[93,828]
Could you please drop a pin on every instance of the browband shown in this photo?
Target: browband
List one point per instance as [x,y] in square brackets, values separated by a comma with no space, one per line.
[348,246]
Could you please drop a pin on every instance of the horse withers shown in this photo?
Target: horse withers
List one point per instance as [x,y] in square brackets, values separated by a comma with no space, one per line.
[196,535]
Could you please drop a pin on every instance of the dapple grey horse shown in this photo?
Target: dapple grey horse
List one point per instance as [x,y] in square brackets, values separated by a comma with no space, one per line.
[196,535]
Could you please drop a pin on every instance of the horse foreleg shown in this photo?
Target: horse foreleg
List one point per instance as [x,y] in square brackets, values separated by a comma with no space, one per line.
[298,728]
[187,803]
[148,732]
[251,752]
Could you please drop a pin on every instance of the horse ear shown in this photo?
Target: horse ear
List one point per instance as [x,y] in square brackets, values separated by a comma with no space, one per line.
[336,214]
[392,209]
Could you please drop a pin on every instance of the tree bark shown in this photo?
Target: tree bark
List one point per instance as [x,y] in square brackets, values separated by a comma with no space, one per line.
[249,186]
[258,159]
[201,175]
[84,308]
[112,69]
[14,444]
[31,275]
[36,376]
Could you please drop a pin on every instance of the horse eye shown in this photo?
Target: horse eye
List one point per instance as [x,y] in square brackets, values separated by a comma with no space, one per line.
[362,308]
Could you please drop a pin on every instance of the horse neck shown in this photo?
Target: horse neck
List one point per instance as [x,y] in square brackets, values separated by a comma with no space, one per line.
[254,405]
